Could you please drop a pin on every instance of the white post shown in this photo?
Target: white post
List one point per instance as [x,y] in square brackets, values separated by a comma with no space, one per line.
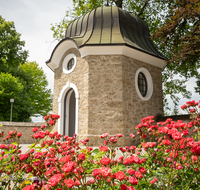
[11,101]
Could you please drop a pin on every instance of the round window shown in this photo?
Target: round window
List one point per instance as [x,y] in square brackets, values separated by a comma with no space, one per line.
[143,84]
[69,63]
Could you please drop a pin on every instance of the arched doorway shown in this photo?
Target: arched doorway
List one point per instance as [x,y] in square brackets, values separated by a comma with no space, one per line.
[64,108]
[69,113]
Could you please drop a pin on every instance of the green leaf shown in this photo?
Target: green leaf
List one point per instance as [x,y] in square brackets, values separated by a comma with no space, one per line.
[118,168]
[96,151]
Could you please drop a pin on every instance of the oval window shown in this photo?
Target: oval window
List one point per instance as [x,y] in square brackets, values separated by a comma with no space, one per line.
[143,84]
[69,63]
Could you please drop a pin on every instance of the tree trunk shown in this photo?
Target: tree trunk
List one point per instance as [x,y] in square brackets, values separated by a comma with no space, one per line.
[119,3]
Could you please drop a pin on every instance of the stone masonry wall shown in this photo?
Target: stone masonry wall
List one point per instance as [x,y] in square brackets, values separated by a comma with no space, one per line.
[22,127]
[114,105]
[78,77]
[134,107]
[105,97]
[108,101]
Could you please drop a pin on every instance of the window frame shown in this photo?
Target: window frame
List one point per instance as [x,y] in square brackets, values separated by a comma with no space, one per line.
[149,83]
[66,61]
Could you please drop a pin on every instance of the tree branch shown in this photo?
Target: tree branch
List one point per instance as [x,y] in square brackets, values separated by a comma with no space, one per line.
[142,10]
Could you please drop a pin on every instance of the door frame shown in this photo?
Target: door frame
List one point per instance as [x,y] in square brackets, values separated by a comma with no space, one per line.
[61,107]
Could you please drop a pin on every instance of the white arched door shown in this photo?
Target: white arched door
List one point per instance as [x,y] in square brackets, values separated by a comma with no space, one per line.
[68,110]
[69,113]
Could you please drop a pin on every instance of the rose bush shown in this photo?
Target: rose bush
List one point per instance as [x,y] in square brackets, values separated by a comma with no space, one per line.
[167,158]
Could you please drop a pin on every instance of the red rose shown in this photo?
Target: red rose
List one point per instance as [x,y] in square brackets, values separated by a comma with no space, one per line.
[177,136]
[166,142]
[34,129]
[69,167]
[55,179]
[105,172]
[23,157]
[120,175]
[69,183]
[131,171]
[105,161]
[142,170]
[65,159]
[81,156]
[119,135]
[155,179]
[138,175]
[152,182]
[127,161]
[133,180]
[38,155]
[103,148]
[77,182]
[51,122]
[19,135]
[46,117]
[42,126]
[10,132]
[123,187]
[95,172]
[130,188]
[28,187]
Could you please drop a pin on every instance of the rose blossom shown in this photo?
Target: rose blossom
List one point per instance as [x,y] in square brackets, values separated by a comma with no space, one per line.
[29,187]
[81,156]
[119,135]
[152,182]
[19,135]
[138,175]
[105,161]
[130,188]
[133,180]
[103,148]
[69,166]
[23,157]
[120,175]
[55,179]
[142,170]
[123,187]
[69,183]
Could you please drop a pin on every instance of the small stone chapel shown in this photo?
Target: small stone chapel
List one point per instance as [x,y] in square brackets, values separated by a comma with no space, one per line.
[107,75]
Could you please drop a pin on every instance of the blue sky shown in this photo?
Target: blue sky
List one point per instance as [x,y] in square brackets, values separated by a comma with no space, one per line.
[33,20]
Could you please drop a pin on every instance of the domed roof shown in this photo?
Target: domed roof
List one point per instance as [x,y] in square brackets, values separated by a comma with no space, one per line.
[112,26]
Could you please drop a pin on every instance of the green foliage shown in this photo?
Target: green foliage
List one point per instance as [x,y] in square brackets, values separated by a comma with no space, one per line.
[25,82]
[197,89]
[11,47]
[175,28]
[10,87]
[39,96]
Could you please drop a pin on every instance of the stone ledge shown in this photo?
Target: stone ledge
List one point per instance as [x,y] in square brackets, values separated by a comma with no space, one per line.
[22,124]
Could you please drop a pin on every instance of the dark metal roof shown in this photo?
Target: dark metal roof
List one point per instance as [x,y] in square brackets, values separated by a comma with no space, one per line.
[112,26]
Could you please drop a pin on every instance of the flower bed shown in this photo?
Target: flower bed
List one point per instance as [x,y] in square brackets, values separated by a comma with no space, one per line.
[171,159]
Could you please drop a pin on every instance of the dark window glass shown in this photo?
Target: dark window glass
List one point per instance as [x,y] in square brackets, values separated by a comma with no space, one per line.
[142,84]
[70,64]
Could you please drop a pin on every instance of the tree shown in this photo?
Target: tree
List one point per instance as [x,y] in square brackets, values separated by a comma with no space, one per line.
[36,90]
[197,89]
[11,47]
[10,87]
[175,29]
[25,82]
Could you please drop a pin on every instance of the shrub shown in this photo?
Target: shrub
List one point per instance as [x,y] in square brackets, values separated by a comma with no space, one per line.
[170,160]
